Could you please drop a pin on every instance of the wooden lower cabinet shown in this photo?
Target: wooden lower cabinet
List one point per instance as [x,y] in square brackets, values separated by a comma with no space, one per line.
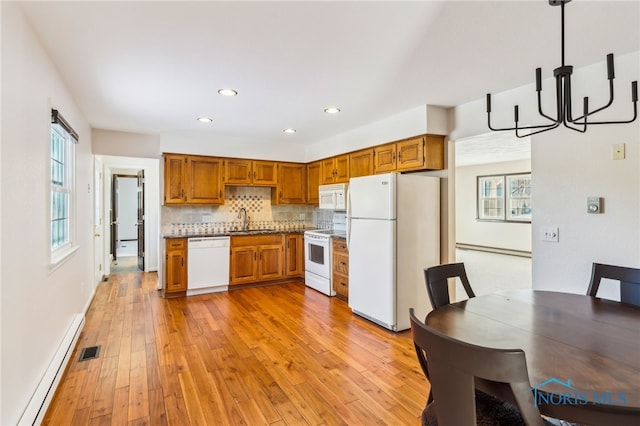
[294,255]
[256,258]
[175,273]
[340,259]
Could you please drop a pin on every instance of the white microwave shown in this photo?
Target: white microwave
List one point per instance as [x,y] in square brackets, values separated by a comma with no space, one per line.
[333,197]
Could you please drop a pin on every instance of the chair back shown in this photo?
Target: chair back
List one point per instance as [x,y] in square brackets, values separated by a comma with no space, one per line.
[454,365]
[437,286]
[629,281]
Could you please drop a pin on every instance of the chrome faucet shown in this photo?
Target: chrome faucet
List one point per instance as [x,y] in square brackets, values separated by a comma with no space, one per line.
[245,218]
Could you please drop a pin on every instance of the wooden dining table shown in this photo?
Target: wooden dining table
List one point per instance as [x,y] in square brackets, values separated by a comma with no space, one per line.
[583,353]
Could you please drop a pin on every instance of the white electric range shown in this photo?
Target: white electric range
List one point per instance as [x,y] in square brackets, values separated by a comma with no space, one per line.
[317,251]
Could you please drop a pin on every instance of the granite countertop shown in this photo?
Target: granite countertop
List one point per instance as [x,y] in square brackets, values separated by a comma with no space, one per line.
[232,233]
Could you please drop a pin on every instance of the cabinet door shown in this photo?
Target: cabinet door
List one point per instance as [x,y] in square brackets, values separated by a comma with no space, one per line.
[270,262]
[385,158]
[265,173]
[174,174]
[313,180]
[292,183]
[204,180]
[294,255]
[410,154]
[237,171]
[244,265]
[328,171]
[434,152]
[342,168]
[361,163]
[175,265]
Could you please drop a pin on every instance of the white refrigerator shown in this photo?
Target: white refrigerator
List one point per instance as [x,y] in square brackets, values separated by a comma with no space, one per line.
[393,234]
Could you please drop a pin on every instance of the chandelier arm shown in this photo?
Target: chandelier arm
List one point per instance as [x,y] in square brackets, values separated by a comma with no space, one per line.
[587,114]
[635,115]
[555,120]
[551,127]
[567,125]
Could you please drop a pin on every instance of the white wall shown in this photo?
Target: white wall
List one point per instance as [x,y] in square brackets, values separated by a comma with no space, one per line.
[416,121]
[125,144]
[200,143]
[38,305]
[469,230]
[567,167]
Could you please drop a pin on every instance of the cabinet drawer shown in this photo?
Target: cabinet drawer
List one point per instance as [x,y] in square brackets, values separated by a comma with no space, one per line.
[176,243]
[339,245]
[341,285]
[341,263]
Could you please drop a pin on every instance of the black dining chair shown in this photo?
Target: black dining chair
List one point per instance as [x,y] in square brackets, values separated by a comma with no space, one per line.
[629,281]
[438,291]
[437,286]
[455,366]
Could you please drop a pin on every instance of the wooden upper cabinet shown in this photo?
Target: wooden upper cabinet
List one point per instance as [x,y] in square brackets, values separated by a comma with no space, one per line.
[174,175]
[265,173]
[410,154]
[418,153]
[361,163]
[335,169]
[250,172]
[192,179]
[385,158]
[292,184]
[434,152]
[313,181]
[204,180]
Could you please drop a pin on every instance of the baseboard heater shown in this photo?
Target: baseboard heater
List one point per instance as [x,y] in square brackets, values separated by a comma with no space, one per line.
[510,252]
[41,398]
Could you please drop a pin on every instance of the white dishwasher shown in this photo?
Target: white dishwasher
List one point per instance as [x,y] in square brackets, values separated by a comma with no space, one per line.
[207,265]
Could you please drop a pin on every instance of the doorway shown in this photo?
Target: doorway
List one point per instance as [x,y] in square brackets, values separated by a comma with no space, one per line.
[496,254]
[127,222]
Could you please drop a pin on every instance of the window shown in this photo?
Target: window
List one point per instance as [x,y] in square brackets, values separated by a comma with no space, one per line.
[504,197]
[63,140]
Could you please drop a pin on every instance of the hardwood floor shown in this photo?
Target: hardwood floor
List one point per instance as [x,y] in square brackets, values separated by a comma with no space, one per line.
[279,355]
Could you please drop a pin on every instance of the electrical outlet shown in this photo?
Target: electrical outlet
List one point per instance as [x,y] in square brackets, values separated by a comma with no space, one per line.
[550,233]
[207,218]
[302,216]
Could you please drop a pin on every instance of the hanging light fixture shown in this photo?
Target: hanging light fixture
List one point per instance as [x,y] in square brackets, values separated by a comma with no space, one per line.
[564,114]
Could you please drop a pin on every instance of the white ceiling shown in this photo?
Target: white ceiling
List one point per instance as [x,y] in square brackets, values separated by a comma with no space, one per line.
[153,67]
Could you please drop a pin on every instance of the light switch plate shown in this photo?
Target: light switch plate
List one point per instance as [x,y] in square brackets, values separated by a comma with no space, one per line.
[619,151]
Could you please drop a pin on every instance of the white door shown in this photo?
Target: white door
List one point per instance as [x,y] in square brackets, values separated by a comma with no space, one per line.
[373,197]
[372,270]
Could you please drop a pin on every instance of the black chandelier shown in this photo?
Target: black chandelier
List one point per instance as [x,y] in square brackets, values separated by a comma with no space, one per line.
[563,97]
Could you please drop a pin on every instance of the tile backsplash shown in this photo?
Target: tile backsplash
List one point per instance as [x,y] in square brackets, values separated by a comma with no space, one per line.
[257,202]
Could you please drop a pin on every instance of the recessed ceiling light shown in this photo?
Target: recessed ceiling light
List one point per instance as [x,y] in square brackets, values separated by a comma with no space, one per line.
[289,130]
[228,92]
[204,119]
[332,110]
